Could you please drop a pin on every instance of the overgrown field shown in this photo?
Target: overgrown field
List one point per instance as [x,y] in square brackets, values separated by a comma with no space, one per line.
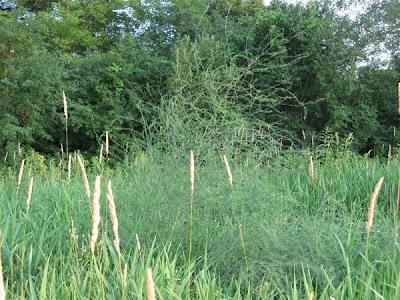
[276,233]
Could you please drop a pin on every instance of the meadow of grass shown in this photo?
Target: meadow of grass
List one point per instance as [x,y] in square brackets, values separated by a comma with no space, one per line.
[276,232]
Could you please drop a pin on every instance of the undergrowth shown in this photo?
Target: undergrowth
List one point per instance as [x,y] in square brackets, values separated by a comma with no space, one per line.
[275,233]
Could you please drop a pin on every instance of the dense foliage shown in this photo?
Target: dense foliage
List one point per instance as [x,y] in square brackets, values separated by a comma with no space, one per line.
[276,233]
[185,73]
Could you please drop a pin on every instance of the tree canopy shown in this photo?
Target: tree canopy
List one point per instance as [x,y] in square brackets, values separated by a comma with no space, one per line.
[179,72]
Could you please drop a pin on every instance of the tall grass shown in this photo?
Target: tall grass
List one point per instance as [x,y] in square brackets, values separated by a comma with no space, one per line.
[2,288]
[274,235]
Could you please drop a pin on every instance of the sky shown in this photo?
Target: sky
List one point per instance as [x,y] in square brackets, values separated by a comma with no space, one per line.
[266,2]
[352,12]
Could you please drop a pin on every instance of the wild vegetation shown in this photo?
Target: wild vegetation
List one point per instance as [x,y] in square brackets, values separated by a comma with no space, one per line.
[204,149]
[183,73]
[283,229]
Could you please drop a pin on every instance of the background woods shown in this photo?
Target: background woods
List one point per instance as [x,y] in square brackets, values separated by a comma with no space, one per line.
[204,72]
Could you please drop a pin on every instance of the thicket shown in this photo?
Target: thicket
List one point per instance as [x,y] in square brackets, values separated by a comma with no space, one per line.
[204,73]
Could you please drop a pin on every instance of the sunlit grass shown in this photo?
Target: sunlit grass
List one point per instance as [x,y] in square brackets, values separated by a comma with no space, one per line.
[274,233]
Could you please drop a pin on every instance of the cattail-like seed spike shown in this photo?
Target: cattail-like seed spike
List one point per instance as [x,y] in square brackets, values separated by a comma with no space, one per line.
[101,153]
[66,123]
[65,105]
[69,166]
[311,169]
[192,171]
[151,292]
[228,170]
[84,176]
[113,216]
[29,194]
[107,146]
[372,204]
[21,172]
[95,205]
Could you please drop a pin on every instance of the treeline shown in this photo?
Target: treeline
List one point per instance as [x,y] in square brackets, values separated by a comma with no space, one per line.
[204,73]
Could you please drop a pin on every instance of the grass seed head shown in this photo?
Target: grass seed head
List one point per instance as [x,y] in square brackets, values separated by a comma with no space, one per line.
[95,205]
[311,169]
[228,170]
[69,166]
[192,171]
[138,246]
[65,105]
[29,194]
[113,216]
[107,145]
[372,205]
[73,234]
[101,153]
[21,172]
[84,176]
[151,292]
